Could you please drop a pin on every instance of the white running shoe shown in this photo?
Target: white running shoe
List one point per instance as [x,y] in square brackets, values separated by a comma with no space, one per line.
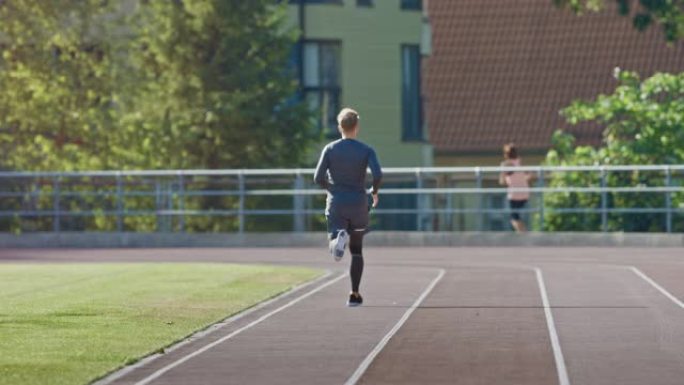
[338,244]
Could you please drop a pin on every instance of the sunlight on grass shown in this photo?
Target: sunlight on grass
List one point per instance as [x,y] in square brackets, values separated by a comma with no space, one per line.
[72,323]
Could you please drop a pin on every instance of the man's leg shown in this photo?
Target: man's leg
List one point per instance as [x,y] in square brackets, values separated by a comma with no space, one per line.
[356,268]
[359,224]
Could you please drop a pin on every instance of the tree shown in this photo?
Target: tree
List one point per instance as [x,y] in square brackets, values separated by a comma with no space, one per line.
[148,85]
[217,92]
[668,13]
[216,86]
[165,84]
[59,86]
[57,83]
[644,124]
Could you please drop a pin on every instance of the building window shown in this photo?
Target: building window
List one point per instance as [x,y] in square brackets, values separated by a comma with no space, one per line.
[321,79]
[412,4]
[411,100]
[364,3]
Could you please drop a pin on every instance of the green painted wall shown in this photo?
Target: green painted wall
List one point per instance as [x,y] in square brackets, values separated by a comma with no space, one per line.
[371,69]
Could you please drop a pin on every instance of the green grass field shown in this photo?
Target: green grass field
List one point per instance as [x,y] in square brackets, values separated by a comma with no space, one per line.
[72,323]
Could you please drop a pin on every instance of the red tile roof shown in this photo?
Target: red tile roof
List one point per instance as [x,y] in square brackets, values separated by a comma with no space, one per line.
[500,70]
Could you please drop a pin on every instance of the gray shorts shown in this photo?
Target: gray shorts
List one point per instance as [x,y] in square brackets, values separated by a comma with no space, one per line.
[350,218]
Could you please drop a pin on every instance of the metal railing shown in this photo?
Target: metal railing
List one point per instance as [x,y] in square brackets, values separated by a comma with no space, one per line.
[435,199]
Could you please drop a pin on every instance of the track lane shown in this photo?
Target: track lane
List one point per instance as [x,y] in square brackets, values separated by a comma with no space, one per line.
[615,328]
[317,341]
[479,326]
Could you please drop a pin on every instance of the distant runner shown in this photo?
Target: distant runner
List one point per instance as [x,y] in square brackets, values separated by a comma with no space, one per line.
[515,180]
[341,171]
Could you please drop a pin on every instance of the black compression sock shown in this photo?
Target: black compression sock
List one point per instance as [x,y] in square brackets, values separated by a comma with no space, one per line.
[355,271]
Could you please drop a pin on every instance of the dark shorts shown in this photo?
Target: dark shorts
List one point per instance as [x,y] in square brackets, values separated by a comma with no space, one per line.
[350,218]
[515,207]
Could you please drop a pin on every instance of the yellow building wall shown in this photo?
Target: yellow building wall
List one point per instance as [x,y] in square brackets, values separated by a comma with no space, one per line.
[371,40]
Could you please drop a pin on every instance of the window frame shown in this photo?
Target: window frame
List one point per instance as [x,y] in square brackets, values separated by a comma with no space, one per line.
[405,6]
[409,132]
[322,122]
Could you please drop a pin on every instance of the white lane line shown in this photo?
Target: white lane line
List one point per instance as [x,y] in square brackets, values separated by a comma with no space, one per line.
[657,287]
[116,375]
[553,334]
[381,345]
[174,364]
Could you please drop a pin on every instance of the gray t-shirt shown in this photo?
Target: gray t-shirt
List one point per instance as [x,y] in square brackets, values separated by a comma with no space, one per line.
[342,171]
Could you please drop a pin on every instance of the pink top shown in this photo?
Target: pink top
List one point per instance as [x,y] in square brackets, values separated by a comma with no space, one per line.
[516,179]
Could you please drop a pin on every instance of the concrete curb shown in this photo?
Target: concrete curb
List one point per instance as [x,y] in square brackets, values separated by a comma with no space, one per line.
[378,239]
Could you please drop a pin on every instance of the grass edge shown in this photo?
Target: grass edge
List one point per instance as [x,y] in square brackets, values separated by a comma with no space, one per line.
[153,354]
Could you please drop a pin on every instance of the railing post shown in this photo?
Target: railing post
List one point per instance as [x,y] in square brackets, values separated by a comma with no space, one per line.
[56,192]
[419,201]
[480,214]
[157,202]
[241,203]
[168,217]
[668,200]
[181,202]
[541,183]
[119,202]
[604,201]
[298,204]
[449,222]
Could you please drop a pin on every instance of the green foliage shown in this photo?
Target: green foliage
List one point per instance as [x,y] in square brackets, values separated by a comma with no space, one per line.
[192,84]
[56,84]
[215,87]
[644,124]
[668,13]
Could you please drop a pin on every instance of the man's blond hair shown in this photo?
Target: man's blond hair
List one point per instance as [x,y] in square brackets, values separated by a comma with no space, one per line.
[348,119]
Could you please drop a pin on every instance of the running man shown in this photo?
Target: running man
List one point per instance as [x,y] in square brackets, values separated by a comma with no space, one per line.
[341,171]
